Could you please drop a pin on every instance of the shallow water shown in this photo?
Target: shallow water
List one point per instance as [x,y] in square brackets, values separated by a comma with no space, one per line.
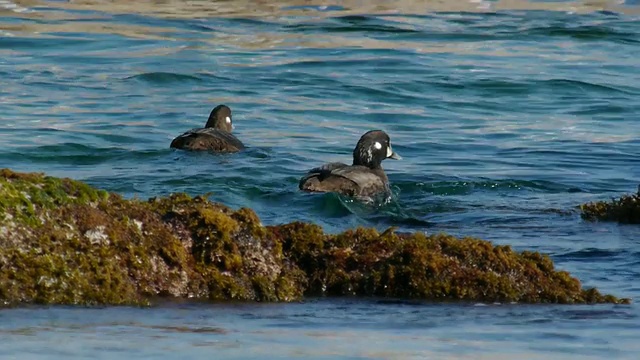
[508,114]
[321,330]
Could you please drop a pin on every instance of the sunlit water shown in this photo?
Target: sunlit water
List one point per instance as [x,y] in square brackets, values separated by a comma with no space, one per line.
[507,115]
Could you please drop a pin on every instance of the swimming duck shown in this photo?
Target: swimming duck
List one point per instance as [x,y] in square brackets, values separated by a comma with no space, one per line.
[214,136]
[364,179]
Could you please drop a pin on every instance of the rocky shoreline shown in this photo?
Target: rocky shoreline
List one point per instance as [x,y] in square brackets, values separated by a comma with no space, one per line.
[65,242]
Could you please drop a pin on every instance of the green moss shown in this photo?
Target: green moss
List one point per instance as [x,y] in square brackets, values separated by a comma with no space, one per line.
[362,262]
[26,196]
[63,242]
[625,210]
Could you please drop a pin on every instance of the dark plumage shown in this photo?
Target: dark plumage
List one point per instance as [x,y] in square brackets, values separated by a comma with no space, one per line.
[364,179]
[214,136]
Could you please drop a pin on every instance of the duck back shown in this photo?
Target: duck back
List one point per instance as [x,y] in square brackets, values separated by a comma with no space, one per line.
[207,139]
[344,179]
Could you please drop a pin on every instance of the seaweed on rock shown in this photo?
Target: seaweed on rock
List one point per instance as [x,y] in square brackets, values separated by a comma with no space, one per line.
[64,242]
[625,209]
[440,266]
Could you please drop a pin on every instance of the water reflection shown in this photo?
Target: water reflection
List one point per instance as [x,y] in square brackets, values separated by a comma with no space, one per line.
[282,8]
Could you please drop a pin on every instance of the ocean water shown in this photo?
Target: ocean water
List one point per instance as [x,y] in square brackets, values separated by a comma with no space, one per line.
[508,114]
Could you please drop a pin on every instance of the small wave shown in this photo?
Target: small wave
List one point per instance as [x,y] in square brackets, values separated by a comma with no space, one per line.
[386,211]
[592,314]
[499,86]
[382,92]
[322,8]
[187,329]
[352,23]
[402,221]
[512,87]
[584,32]
[583,85]
[465,187]
[164,77]
[589,254]
[78,154]
[333,205]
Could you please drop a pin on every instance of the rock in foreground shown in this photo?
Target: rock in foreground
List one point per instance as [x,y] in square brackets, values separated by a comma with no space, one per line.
[625,210]
[64,242]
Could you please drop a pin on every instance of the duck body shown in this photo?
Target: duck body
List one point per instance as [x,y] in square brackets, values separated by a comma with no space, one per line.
[350,180]
[207,139]
[216,136]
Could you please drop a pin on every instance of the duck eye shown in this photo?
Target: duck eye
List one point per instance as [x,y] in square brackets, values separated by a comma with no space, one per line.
[228,120]
[377,145]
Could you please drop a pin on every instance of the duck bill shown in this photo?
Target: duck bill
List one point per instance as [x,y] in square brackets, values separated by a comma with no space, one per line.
[395,156]
[392,154]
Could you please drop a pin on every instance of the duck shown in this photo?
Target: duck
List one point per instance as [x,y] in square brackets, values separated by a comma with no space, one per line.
[364,179]
[215,136]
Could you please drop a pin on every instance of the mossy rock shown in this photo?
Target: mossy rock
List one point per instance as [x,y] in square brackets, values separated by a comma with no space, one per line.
[436,267]
[625,210]
[64,242]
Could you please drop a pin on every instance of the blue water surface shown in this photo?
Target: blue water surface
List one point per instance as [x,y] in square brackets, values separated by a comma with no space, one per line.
[507,119]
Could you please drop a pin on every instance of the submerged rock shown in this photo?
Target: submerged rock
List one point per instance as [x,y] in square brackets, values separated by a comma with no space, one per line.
[64,242]
[625,209]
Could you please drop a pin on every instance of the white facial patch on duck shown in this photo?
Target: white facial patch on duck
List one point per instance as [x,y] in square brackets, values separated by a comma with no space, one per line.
[228,119]
[377,145]
[389,151]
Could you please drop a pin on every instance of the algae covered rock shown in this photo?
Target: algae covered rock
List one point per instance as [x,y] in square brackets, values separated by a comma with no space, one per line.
[64,242]
[625,209]
[364,262]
